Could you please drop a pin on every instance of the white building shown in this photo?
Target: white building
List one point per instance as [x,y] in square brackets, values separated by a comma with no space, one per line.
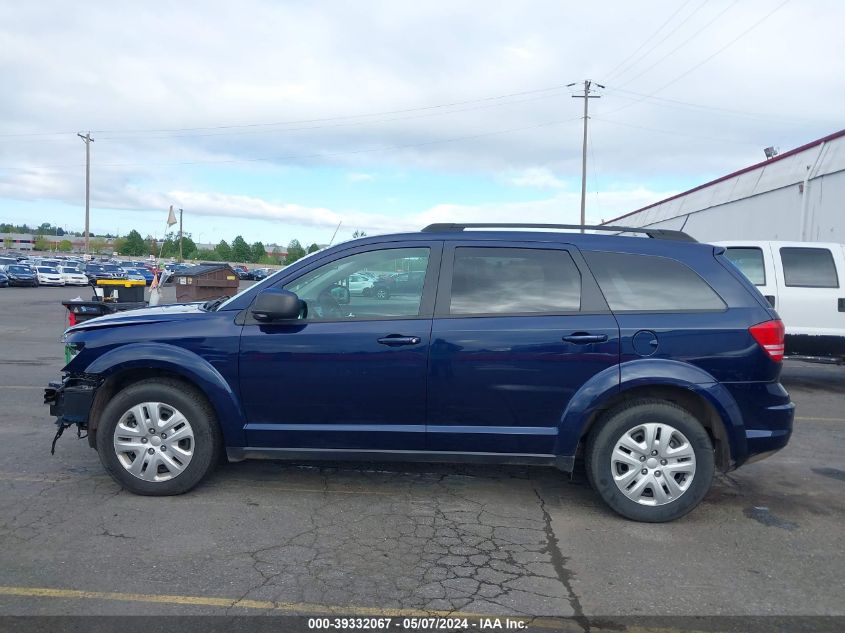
[798,195]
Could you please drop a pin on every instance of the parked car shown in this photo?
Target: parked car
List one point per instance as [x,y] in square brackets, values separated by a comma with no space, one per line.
[653,359]
[140,271]
[260,273]
[20,275]
[397,283]
[49,276]
[95,270]
[804,282]
[4,280]
[72,277]
[136,275]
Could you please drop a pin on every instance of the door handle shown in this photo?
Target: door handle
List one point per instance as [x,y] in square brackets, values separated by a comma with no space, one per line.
[582,338]
[395,340]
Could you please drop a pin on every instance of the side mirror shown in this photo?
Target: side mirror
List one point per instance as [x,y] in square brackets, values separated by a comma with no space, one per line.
[274,304]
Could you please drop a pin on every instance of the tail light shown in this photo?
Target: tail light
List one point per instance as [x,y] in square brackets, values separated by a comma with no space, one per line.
[769,335]
[71,318]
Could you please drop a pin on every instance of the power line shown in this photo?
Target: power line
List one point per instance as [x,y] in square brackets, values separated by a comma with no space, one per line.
[608,75]
[681,45]
[666,37]
[674,133]
[686,105]
[704,61]
[299,121]
[308,156]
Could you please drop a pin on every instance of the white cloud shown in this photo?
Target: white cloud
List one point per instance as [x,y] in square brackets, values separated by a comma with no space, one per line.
[201,64]
[537,177]
[360,177]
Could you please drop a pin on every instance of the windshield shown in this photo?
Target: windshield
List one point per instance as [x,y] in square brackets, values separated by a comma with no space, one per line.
[69,270]
[48,270]
[111,268]
[19,269]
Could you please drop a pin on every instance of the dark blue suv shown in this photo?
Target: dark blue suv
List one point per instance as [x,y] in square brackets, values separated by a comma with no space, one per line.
[654,360]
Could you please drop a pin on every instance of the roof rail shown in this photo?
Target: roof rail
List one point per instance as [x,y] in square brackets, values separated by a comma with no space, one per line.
[661,234]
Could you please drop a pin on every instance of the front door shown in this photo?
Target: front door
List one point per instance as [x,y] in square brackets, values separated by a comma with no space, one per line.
[351,374]
[517,331]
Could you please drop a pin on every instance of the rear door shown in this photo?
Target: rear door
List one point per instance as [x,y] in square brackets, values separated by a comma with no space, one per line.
[517,331]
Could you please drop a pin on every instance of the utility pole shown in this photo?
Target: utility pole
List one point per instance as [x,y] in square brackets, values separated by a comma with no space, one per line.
[180,236]
[586,97]
[88,140]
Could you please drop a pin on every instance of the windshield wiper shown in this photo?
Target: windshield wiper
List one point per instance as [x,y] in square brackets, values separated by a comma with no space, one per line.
[213,304]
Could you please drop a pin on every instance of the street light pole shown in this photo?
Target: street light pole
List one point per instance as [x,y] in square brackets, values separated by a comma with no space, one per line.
[88,140]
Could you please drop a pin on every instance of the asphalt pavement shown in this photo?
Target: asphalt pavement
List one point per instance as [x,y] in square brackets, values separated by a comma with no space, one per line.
[388,538]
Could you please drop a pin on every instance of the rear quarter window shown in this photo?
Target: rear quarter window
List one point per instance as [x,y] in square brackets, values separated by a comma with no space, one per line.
[649,283]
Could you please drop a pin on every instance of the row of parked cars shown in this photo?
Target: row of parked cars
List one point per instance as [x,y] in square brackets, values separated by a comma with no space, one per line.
[62,271]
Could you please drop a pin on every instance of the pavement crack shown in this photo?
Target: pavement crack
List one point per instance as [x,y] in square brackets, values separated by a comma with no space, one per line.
[559,562]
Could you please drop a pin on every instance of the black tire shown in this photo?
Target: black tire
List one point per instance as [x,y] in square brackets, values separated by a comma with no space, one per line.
[382,293]
[610,428]
[207,443]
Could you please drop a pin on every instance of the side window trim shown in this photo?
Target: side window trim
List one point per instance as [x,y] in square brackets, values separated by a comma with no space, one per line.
[592,299]
[429,285]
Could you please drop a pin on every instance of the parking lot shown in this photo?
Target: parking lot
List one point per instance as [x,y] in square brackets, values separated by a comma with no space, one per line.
[386,538]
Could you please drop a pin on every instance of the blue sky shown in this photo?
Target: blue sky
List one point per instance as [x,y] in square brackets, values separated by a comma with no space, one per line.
[387,116]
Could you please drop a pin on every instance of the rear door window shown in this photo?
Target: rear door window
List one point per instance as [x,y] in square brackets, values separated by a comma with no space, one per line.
[487,281]
[749,260]
[808,267]
[648,283]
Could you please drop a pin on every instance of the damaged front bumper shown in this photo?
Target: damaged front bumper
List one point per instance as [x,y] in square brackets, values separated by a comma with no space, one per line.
[70,402]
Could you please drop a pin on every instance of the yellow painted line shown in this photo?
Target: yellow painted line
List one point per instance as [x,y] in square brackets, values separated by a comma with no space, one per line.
[805,418]
[302,608]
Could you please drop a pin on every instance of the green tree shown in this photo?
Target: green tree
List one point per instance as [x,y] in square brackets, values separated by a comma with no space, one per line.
[241,252]
[224,251]
[65,246]
[134,244]
[96,244]
[189,247]
[41,244]
[258,252]
[313,248]
[295,251]
[359,233]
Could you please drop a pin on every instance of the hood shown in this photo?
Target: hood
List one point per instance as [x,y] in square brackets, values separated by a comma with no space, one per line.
[141,316]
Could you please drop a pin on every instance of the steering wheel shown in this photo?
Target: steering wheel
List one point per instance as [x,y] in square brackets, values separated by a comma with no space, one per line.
[327,306]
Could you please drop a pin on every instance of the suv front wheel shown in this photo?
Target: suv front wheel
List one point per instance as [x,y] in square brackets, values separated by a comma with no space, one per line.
[158,437]
[650,460]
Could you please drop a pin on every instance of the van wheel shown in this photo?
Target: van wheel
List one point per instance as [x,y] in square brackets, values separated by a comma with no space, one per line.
[650,460]
[158,437]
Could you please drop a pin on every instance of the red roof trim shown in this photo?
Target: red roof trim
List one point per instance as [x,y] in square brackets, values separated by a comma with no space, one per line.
[744,170]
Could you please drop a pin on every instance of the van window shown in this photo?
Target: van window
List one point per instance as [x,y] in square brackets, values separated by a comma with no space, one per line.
[647,283]
[808,267]
[514,281]
[749,260]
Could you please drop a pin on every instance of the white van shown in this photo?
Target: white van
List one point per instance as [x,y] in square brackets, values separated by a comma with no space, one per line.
[805,282]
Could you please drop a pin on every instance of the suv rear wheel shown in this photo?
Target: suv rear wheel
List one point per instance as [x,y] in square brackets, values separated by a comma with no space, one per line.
[158,437]
[650,460]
